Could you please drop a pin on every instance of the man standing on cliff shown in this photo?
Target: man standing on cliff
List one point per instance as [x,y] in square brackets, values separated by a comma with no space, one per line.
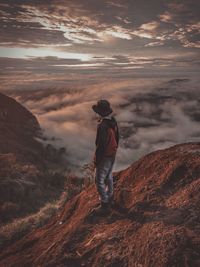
[107,139]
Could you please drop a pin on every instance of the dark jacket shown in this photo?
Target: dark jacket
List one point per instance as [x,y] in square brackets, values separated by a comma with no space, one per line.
[107,130]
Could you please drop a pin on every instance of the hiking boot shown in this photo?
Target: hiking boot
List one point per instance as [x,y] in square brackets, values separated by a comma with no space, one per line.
[102,209]
[105,205]
[113,203]
[111,199]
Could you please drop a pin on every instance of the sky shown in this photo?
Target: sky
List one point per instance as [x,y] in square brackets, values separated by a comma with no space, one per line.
[59,57]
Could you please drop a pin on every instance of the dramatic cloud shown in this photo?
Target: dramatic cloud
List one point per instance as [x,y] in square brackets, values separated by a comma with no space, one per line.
[98,24]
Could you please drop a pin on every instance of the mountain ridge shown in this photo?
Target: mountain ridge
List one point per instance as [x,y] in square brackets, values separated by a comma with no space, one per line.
[155,221]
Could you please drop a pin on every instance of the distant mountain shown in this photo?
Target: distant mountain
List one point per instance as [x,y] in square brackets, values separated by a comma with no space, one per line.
[154,222]
[28,168]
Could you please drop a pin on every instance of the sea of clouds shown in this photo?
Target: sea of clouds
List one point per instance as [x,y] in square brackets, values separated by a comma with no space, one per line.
[152,114]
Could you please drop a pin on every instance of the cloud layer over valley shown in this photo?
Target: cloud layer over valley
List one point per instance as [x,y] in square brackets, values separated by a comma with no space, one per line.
[152,114]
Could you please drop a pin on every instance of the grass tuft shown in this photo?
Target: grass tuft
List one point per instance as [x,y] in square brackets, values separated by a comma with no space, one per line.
[20,227]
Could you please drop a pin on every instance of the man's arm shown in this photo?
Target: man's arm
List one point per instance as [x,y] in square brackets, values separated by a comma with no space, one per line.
[101,144]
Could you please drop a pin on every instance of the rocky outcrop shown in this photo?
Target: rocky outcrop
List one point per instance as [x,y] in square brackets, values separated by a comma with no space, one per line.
[15,116]
[18,130]
[155,221]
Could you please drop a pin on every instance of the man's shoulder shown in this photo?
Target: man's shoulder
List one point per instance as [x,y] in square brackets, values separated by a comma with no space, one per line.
[102,125]
[107,123]
[111,122]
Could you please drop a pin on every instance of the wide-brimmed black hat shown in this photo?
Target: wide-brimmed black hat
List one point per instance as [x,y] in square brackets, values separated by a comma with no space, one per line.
[102,108]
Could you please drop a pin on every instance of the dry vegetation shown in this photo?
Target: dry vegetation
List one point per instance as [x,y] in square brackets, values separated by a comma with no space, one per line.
[155,221]
[19,227]
[15,230]
[24,188]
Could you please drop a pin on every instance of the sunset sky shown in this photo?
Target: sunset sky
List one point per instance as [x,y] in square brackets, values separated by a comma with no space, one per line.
[59,57]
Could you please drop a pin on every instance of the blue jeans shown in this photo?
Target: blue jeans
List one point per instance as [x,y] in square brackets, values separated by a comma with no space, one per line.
[104,178]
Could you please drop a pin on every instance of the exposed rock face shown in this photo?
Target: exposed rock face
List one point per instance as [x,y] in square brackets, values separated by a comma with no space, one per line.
[18,128]
[155,222]
[25,183]
[16,116]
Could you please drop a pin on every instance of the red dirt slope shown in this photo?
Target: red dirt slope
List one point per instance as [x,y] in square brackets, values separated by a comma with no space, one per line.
[156,221]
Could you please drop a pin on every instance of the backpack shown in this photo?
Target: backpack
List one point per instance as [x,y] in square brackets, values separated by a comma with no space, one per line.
[112,145]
